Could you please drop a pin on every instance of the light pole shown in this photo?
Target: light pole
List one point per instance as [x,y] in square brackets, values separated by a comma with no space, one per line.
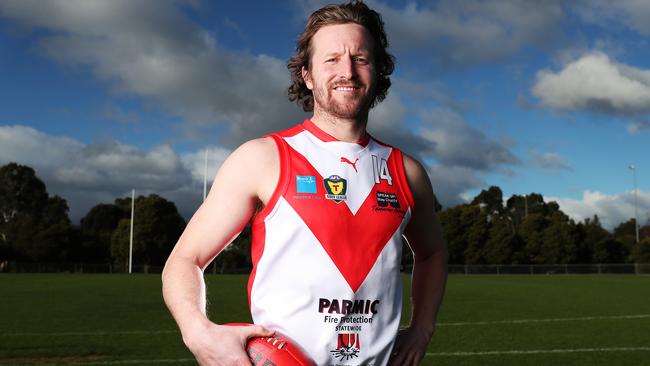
[205,175]
[636,209]
[131,230]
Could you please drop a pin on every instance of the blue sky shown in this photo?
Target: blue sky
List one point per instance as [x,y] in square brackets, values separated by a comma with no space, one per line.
[549,97]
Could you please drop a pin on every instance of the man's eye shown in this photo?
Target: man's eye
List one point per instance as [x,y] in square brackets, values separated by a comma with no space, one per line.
[362,60]
[330,60]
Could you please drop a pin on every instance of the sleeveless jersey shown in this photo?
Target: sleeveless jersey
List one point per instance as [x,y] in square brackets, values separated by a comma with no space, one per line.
[327,247]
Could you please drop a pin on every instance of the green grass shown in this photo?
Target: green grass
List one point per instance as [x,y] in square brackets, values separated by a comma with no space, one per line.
[100,319]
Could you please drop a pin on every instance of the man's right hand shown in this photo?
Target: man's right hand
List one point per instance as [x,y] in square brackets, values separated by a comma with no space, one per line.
[222,345]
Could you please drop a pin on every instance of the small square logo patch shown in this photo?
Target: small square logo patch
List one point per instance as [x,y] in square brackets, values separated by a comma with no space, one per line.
[305,184]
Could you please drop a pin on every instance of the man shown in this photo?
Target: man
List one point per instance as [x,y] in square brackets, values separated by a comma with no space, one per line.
[329,206]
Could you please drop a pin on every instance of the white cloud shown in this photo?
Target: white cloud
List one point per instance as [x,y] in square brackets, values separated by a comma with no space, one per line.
[463,33]
[451,183]
[611,209]
[455,154]
[549,160]
[635,128]
[595,83]
[459,33]
[149,49]
[633,14]
[88,174]
[387,123]
[456,143]
[195,162]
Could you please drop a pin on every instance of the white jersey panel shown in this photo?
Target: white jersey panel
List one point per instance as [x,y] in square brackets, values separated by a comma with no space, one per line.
[326,159]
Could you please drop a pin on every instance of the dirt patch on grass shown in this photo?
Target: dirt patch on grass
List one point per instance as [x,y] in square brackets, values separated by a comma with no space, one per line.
[51,360]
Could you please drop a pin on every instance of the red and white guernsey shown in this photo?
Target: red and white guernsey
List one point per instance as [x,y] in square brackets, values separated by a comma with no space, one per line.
[327,247]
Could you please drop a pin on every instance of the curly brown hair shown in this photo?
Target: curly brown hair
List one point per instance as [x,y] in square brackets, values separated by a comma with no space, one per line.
[352,12]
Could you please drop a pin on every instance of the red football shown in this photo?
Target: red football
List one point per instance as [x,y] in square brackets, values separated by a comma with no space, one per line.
[277,350]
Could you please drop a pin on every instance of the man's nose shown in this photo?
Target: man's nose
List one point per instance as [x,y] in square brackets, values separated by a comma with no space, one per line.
[347,68]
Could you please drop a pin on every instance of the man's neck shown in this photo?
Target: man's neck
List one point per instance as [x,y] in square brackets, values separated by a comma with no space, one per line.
[343,129]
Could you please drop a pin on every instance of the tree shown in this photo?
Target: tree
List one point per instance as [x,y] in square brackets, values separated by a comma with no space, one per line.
[491,200]
[625,233]
[21,192]
[237,255]
[594,235]
[503,245]
[157,227]
[454,234]
[476,223]
[557,245]
[641,251]
[609,250]
[518,207]
[97,229]
[33,225]
[531,231]
[54,237]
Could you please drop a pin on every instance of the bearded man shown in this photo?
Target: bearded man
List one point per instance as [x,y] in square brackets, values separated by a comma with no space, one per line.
[329,206]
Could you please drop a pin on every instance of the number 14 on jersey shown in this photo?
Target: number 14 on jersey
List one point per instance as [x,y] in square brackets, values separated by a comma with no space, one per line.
[380,170]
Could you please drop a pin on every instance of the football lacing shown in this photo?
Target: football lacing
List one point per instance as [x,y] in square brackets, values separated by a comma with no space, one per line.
[275,342]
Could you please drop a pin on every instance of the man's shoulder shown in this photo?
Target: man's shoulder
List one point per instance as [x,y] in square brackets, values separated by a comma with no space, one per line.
[255,148]
[412,166]
[253,155]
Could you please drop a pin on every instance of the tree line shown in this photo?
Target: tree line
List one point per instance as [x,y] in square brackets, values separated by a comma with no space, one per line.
[35,227]
[527,230]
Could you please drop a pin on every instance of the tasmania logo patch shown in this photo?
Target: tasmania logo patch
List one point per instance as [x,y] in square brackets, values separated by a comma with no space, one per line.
[348,347]
[335,187]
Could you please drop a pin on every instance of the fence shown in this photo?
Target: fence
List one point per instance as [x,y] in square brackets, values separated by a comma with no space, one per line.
[551,269]
[27,267]
[496,269]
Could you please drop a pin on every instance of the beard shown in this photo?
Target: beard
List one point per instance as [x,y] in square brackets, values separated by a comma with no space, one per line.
[347,106]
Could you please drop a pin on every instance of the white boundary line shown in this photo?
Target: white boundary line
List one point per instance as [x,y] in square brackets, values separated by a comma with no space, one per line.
[443,354]
[138,362]
[119,332]
[523,321]
[539,351]
[519,321]
[437,354]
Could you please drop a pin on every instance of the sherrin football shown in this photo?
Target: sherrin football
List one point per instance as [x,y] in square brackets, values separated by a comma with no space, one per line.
[278,350]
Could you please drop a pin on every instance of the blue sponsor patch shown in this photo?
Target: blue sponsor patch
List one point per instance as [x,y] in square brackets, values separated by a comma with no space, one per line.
[305,184]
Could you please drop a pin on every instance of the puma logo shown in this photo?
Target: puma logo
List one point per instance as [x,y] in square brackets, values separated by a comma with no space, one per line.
[354,165]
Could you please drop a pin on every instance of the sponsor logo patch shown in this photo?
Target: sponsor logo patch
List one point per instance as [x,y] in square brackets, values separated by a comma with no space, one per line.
[387,199]
[305,184]
[335,187]
[348,346]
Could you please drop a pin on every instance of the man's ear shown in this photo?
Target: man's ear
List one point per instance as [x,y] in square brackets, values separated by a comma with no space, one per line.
[306,77]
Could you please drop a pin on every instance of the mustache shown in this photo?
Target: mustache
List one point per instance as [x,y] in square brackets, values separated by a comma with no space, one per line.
[354,84]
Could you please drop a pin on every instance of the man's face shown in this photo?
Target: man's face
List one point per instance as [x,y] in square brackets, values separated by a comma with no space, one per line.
[342,74]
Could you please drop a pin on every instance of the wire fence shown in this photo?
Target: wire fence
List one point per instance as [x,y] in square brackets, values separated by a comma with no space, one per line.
[495,269]
[551,269]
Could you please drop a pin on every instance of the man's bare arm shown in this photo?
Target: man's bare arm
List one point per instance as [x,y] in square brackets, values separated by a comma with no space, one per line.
[246,178]
[429,278]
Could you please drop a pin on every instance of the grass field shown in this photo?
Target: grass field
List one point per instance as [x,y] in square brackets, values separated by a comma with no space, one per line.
[485,320]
